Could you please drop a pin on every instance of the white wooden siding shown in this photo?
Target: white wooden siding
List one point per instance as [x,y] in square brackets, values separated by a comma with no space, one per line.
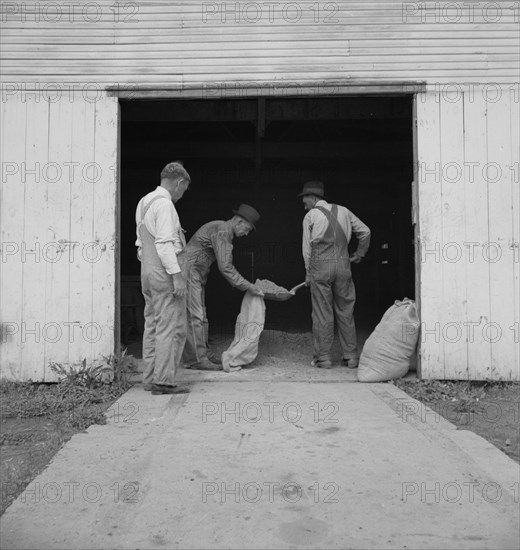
[168,44]
[174,44]
[469,227]
[57,306]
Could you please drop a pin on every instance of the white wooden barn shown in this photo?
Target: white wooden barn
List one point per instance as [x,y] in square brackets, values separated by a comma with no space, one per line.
[96,99]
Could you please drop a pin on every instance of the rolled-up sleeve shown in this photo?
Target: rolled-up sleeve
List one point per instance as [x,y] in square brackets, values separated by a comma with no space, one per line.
[306,240]
[167,239]
[223,249]
[362,233]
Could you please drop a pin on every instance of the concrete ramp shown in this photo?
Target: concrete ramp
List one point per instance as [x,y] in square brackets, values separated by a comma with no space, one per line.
[257,463]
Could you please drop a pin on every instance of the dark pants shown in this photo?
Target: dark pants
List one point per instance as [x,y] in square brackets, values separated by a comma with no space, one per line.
[196,348]
[333,296]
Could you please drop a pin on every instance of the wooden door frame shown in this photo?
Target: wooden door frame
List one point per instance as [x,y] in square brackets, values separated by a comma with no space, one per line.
[309,91]
[415,223]
[117,254]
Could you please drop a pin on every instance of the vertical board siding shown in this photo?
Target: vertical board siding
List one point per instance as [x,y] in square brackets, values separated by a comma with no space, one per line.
[57,289]
[82,221]
[468,226]
[36,330]
[453,215]
[12,230]
[58,232]
[187,43]
[476,231]
[57,275]
[105,197]
[430,231]
[515,222]
[501,234]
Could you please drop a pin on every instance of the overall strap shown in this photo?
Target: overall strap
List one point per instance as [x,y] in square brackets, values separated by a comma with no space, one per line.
[332,217]
[144,209]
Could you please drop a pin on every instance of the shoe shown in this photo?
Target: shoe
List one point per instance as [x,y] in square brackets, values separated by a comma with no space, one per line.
[215,359]
[147,387]
[205,364]
[231,369]
[162,389]
[325,364]
[351,363]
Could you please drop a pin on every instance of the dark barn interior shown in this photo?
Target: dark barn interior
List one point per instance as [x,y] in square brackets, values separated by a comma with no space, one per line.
[261,151]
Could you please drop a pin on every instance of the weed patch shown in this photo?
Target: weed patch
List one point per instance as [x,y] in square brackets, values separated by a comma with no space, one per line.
[36,419]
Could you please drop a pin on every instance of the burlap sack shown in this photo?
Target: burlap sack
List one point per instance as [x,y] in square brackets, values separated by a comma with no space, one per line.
[248,328]
[389,350]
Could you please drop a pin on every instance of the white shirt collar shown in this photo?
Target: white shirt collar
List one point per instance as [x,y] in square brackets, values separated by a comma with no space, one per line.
[164,192]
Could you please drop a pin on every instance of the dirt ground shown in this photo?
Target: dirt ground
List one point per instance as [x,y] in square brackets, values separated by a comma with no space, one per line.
[27,446]
[36,420]
[490,410]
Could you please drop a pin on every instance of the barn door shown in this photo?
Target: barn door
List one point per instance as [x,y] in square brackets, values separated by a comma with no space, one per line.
[468,197]
[58,232]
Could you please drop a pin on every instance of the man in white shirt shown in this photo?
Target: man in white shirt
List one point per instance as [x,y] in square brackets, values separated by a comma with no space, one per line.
[327,230]
[160,249]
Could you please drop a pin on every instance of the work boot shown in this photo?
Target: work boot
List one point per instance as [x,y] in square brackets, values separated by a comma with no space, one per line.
[350,363]
[323,364]
[214,359]
[205,364]
[326,364]
[231,369]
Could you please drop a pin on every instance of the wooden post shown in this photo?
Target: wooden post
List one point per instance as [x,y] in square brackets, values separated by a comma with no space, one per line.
[260,133]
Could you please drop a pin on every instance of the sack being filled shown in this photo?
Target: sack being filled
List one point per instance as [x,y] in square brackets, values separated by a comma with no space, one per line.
[248,328]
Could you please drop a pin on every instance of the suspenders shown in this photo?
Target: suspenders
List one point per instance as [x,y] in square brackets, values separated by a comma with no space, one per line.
[144,209]
[332,217]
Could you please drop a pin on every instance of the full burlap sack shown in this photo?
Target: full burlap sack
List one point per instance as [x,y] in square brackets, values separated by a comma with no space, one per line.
[389,350]
[248,328]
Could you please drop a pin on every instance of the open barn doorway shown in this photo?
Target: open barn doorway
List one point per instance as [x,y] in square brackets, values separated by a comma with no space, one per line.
[260,151]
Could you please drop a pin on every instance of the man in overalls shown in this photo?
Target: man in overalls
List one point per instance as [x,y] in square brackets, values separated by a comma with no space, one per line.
[160,249]
[327,229]
[212,242]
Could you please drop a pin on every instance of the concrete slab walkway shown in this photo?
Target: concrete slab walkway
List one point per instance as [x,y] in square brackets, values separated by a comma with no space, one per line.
[258,460]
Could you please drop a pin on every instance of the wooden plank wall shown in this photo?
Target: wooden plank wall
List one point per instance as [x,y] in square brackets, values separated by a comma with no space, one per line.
[58,234]
[70,57]
[469,226]
[185,43]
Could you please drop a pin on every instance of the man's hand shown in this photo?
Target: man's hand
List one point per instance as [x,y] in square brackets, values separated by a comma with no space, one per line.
[355,259]
[179,284]
[255,290]
[307,279]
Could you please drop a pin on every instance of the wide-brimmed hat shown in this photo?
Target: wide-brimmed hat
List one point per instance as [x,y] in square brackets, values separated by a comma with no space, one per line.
[248,213]
[313,188]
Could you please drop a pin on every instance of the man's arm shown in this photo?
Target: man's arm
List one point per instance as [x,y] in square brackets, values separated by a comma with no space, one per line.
[306,240]
[166,235]
[167,227]
[223,249]
[138,244]
[138,237]
[362,233]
